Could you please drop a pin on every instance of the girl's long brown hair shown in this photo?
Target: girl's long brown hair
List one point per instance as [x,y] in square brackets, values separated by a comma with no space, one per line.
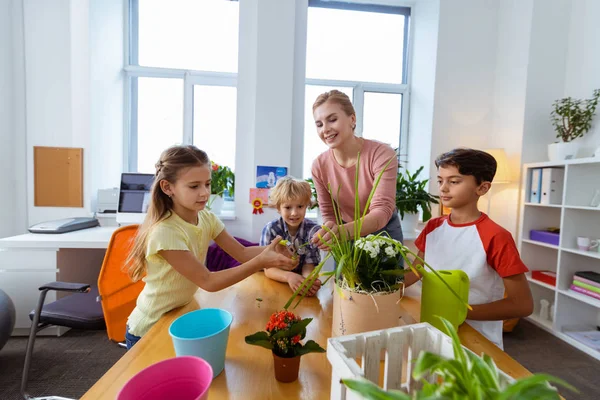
[171,162]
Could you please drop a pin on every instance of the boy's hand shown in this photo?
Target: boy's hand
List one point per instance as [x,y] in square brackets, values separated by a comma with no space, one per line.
[295,281]
[272,258]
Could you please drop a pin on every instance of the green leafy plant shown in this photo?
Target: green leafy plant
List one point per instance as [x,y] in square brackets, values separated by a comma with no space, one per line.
[572,118]
[222,179]
[283,334]
[466,376]
[314,199]
[352,272]
[411,194]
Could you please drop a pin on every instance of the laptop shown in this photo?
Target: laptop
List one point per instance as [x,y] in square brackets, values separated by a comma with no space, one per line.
[134,197]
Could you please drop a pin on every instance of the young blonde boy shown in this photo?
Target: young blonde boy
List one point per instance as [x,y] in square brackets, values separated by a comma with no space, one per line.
[469,240]
[292,197]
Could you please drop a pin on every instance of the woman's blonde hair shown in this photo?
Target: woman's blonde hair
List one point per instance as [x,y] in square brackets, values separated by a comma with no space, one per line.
[172,161]
[289,189]
[337,97]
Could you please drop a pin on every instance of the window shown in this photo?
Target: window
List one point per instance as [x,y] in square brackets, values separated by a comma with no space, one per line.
[361,50]
[182,75]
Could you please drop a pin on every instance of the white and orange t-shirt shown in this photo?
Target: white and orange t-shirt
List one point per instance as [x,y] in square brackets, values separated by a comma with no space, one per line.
[484,250]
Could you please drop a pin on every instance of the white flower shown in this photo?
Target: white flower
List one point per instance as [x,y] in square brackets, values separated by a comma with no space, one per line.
[390,251]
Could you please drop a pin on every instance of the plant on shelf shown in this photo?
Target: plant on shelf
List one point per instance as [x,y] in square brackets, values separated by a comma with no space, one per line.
[314,200]
[282,336]
[368,271]
[412,195]
[466,376]
[571,119]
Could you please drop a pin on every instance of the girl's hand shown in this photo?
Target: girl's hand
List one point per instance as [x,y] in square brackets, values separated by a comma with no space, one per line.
[325,235]
[295,281]
[271,257]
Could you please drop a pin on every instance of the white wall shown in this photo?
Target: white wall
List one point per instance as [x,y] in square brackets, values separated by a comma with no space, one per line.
[107,105]
[508,109]
[7,122]
[582,73]
[425,17]
[13,208]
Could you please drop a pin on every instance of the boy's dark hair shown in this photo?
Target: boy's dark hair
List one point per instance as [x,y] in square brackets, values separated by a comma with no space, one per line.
[477,163]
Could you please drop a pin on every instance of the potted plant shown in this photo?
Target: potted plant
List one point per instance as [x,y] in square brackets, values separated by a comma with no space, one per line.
[467,376]
[411,194]
[571,118]
[314,199]
[367,277]
[283,334]
[222,179]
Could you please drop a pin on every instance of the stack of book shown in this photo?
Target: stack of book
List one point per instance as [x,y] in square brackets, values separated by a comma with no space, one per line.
[587,283]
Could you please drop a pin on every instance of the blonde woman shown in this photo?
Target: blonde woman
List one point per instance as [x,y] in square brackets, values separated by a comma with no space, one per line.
[335,120]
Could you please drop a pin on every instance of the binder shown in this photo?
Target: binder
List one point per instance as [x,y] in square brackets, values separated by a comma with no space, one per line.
[536,185]
[552,185]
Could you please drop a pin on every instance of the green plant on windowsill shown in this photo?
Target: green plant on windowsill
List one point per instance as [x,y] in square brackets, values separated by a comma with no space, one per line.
[466,377]
[222,179]
[412,195]
[314,201]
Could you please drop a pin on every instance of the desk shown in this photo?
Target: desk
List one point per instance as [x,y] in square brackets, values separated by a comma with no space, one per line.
[31,260]
[249,369]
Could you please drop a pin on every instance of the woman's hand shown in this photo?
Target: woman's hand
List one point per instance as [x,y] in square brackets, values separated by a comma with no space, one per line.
[324,235]
[274,257]
[295,281]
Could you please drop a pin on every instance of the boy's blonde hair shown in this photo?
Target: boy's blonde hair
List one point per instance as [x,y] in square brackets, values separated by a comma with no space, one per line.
[288,189]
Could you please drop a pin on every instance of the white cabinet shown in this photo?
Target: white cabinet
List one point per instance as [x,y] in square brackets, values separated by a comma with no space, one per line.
[22,272]
[575,217]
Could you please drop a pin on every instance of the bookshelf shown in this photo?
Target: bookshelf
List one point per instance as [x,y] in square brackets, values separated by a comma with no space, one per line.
[575,217]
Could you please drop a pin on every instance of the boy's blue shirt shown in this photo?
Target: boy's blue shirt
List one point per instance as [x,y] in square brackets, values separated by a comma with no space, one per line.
[307,228]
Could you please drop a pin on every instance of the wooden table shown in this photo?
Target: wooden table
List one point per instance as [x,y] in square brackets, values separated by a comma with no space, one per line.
[248,370]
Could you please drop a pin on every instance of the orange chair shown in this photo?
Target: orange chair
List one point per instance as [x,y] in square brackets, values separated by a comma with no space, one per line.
[117,293]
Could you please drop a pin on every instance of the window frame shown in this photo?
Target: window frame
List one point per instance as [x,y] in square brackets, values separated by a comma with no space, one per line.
[133,70]
[360,87]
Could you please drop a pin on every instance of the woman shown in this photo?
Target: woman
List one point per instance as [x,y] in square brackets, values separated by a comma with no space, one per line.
[335,119]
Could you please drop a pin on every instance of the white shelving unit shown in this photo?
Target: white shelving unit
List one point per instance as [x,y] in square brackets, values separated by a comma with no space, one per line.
[575,217]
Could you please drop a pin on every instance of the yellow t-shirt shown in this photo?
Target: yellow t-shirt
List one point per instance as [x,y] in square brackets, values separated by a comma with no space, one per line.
[166,288]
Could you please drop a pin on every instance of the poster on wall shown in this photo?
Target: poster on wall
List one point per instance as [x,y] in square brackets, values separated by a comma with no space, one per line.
[267,177]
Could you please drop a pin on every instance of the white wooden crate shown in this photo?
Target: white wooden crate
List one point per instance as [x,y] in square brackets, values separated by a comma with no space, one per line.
[400,346]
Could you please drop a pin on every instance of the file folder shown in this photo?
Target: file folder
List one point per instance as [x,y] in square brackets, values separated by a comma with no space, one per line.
[552,185]
[536,185]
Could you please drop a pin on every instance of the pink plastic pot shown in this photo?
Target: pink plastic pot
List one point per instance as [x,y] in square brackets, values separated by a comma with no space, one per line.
[182,378]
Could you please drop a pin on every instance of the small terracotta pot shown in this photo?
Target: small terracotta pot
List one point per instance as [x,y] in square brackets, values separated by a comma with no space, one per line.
[286,369]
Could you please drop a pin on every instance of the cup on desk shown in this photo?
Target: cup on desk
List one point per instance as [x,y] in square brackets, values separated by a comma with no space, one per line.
[203,333]
[587,244]
[183,378]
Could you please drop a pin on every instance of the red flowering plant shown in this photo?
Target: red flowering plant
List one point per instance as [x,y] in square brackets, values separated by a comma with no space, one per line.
[222,179]
[283,335]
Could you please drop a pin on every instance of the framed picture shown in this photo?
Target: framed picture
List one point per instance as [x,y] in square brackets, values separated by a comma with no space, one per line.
[267,177]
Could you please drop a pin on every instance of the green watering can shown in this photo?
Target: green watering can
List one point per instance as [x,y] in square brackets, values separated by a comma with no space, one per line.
[438,300]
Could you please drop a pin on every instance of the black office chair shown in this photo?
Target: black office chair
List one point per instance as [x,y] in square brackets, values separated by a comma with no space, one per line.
[81,310]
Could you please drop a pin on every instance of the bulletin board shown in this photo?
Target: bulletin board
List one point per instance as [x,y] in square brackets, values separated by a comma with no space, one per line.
[58,176]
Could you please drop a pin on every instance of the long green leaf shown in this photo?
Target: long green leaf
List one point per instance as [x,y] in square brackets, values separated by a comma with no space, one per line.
[371,391]
[531,381]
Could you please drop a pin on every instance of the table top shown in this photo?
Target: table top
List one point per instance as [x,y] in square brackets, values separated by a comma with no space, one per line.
[249,369]
[91,238]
